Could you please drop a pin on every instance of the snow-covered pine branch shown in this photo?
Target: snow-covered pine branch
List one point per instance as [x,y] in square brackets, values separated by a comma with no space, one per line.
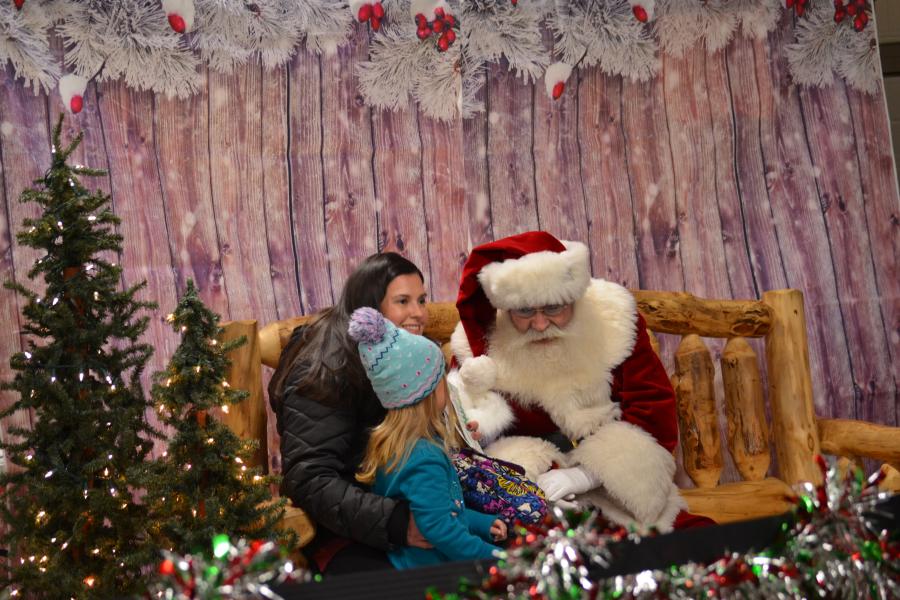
[129,40]
[495,29]
[758,17]
[24,42]
[324,24]
[604,34]
[681,24]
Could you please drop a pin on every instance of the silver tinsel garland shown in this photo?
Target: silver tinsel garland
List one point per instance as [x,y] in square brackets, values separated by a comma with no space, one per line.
[131,40]
[236,570]
[834,549]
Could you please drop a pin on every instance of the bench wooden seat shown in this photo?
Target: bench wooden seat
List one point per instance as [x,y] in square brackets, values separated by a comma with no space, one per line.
[793,434]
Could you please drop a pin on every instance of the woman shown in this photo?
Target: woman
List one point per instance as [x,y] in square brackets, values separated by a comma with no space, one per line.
[326,406]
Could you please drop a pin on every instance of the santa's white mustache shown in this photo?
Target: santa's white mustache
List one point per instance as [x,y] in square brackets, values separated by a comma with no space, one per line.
[551,333]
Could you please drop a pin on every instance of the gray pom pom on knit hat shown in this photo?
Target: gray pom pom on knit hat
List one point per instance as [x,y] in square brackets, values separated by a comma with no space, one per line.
[404,368]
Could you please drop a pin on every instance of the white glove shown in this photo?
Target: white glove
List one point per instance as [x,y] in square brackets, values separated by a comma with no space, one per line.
[568,504]
[566,483]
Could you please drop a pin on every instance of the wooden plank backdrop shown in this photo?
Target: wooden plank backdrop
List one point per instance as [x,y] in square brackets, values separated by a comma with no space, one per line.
[718,177]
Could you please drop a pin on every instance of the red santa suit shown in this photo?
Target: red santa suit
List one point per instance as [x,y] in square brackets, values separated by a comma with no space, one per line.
[599,382]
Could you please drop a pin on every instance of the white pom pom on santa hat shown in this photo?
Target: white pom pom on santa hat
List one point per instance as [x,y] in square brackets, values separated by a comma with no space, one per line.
[642,9]
[180,14]
[479,374]
[555,79]
[71,90]
[427,8]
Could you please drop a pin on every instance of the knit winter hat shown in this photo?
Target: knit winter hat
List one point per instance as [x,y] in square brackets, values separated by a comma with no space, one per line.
[528,270]
[403,368]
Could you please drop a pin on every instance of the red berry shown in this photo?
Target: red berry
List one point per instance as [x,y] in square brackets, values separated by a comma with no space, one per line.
[789,3]
[375,22]
[852,9]
[177,23]
[443,43]
[450,35]
[18,4]
[167,567]
[861,3]
[365,13]
[449,21]
[423,33]
[839,14]
[639,13]
[838,3]
[421,21]
[438,26]
[859,23]
[76,104]
[378,10]
[439,12]
[558,89]
[800,10]
[514,2]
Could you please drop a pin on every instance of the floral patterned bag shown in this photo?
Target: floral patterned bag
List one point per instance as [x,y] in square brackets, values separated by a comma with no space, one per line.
[496,487]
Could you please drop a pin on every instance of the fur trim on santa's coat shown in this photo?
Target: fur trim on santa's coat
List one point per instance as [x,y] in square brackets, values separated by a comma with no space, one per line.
[573,387]
[615,512]
[533,454]
[634,470]
[487,408]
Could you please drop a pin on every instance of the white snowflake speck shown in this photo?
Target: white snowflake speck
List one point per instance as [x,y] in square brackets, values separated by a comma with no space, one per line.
[6,128]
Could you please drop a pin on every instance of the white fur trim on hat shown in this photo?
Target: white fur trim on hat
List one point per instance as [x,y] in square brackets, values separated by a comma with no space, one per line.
[479,374]
[633,468]
[538,279]
[535,455]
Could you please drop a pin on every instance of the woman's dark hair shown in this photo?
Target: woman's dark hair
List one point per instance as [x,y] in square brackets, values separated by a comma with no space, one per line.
[330,357]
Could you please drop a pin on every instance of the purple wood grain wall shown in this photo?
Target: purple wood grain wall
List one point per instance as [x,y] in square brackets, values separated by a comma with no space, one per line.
[719,177]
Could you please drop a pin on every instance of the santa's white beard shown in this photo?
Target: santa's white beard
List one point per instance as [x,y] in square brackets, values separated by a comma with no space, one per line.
[535,369]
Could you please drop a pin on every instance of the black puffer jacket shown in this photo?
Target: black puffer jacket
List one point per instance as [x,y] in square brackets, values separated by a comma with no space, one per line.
[322,446]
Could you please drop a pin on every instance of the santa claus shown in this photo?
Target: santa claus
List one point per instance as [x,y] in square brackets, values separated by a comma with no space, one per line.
[558,371]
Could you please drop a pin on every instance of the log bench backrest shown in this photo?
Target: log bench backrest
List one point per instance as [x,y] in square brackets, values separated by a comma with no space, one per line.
[778,318]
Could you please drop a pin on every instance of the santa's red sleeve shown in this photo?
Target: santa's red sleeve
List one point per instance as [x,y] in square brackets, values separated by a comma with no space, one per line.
[644,392]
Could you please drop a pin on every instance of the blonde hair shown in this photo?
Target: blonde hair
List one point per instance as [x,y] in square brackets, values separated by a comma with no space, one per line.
[391,441]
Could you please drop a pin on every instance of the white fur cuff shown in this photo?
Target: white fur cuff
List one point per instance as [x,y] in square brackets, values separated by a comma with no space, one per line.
[479,374]
[488,408]
[634,469]
[532,454]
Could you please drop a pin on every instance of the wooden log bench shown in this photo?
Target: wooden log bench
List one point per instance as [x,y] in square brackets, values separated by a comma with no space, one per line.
[793,433]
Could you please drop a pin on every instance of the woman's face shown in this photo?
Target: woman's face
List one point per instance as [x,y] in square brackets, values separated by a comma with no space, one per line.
[404,303]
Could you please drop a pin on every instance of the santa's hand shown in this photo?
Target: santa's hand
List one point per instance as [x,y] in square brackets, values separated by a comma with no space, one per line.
[559,483]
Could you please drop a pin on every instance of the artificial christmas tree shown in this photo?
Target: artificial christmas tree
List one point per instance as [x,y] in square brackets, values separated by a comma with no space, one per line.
[202,485]
[68,500]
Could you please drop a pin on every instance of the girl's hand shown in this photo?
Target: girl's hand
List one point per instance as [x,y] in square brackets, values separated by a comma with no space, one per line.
[498,530]
[472,426]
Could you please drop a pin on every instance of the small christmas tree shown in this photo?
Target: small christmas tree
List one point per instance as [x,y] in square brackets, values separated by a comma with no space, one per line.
[202,485]
[68,500]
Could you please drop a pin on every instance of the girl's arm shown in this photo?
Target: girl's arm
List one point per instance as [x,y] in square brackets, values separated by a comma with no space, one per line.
[480,524]
[425,481]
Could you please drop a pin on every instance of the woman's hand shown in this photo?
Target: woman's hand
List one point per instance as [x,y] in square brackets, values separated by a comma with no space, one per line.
[414,537]
[472,426]
[498,530]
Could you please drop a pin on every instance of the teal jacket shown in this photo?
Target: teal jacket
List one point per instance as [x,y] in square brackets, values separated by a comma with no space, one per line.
[429,483]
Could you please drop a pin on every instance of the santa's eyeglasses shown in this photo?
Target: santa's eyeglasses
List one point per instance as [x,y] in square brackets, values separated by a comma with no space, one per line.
[551,310]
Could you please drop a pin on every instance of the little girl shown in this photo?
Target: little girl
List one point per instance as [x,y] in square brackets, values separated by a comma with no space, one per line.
[408,453]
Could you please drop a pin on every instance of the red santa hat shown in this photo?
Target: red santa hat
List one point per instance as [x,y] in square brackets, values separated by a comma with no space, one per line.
[521,271]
